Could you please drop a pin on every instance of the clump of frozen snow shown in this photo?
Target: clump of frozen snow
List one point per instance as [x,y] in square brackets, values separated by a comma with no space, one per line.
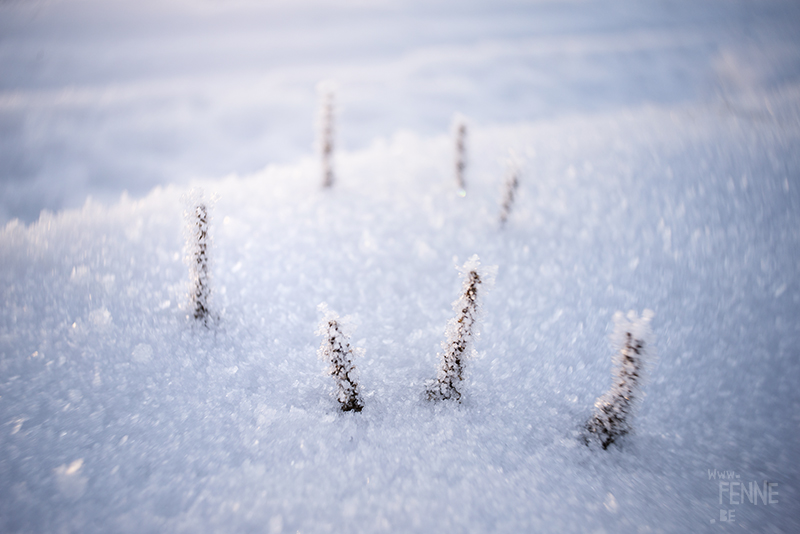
[142,353]
[70,480]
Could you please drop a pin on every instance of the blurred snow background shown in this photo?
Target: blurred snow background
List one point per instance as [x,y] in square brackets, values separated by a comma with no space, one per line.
[99,96]
[661,154]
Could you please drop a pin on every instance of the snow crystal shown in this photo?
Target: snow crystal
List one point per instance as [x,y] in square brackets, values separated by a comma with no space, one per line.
[142,353]
[69,480]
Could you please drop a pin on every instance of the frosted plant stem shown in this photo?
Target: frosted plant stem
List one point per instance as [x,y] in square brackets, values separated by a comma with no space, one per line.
[461,331]
[510,191]
[461,154]
[326,134]
[335,348]
[614,410]
[199,271]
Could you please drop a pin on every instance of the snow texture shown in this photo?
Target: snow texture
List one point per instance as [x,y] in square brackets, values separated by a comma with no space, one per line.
[117,415]
[614,410]
[336,350]
[661,149]
[100,97]
[693,211]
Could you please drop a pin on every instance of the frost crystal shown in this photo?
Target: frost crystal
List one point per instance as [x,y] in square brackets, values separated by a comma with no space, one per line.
[613,410]
[335,348]
[461,331]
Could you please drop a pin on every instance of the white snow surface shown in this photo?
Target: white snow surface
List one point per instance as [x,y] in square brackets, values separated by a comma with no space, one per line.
[118,414]
[658,146]
[101,96]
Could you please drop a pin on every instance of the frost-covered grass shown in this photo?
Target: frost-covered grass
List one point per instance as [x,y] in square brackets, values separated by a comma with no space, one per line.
[119,414]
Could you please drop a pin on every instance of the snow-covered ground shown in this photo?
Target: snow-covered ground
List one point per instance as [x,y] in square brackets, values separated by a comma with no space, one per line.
[118,414]
[101,96]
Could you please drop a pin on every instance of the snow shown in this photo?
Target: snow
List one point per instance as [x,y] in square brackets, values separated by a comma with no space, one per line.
[100,96]
[119,413]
